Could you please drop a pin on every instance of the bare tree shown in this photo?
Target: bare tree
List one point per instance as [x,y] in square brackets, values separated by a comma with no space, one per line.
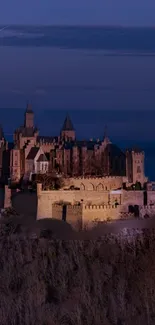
[50,181]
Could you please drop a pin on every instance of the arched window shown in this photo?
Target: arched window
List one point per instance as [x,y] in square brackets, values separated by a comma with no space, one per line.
[100,187]
[90,187]
[82,187]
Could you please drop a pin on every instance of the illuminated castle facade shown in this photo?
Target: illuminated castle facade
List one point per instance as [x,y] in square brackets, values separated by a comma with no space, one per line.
[33,154]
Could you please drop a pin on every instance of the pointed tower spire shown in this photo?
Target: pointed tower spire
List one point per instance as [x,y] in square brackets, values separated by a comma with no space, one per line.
[67,131]
[29,107]
[1,133]
[68,125]
[29,116]
[106,139]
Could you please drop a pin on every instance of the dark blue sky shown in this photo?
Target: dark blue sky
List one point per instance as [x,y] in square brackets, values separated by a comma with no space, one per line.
[113,12]
[81,82]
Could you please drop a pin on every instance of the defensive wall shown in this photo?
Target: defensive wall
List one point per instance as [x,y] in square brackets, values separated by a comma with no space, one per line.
[72,214]
[151,197]
[95,183]
[86,206]
[81,215]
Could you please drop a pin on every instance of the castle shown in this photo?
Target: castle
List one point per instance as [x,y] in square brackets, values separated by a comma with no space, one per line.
[33,154]
[99,178]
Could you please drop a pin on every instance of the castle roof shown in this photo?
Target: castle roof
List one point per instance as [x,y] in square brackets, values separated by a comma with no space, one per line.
[29,108]
[113,150]
[68,125]
[32,153]
[136,150]
[89,144]
[1,133]
[26,132]
[47,139]
[41,158]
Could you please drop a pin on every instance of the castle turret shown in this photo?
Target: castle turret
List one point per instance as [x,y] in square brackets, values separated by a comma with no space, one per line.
[1,133]
[67,131]
[106,139]
[2,148]
[29,117]
[135,166]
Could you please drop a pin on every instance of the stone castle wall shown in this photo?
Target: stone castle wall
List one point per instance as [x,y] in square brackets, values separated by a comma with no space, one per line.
[46,146]
[151,197]
[96,213]
[132,198]
[73,214]
[85,215]
[93,204]
[7,197]
[95,183]
[87,204]
[47,198]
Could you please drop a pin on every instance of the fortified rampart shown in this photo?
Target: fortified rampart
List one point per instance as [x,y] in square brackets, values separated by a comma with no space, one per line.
[95,183]
[151,197]
[84,215]
[70,213]
[86,206]
[96,213]
[46,146]
[7,197]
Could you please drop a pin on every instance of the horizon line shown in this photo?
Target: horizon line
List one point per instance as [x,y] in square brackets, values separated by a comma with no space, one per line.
[78,25]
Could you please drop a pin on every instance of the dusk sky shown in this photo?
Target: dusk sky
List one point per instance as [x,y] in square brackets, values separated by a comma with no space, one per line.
[120,12]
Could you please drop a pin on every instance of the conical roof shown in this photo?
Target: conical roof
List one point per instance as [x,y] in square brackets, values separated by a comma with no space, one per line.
[68,125]
[1,133]
[29,108]
[106,138]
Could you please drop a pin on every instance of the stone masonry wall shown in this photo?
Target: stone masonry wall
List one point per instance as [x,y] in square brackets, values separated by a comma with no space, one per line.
[95,183]
[57,210]
[73,214]
[132,198]
[96,213]
[95,204]
[79,216]
[150,197]
[7,197]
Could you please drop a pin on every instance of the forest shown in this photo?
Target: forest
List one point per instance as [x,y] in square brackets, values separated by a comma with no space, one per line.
[46,280]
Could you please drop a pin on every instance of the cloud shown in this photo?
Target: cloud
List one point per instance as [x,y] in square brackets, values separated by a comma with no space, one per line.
[41,92]
[17,91]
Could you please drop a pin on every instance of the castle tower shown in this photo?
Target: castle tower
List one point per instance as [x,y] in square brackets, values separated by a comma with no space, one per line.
[67,131]
[1,133]
[2,148]
[106,139]
[29,117]
[135,166]
[15,165]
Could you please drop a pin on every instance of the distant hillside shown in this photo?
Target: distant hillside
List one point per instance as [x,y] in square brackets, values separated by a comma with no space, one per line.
[47,281]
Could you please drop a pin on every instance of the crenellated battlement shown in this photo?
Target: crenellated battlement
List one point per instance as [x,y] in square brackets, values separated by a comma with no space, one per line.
[74,207]
[45,143]
[138,154]
[70,207]
[100,207]
[102,178]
